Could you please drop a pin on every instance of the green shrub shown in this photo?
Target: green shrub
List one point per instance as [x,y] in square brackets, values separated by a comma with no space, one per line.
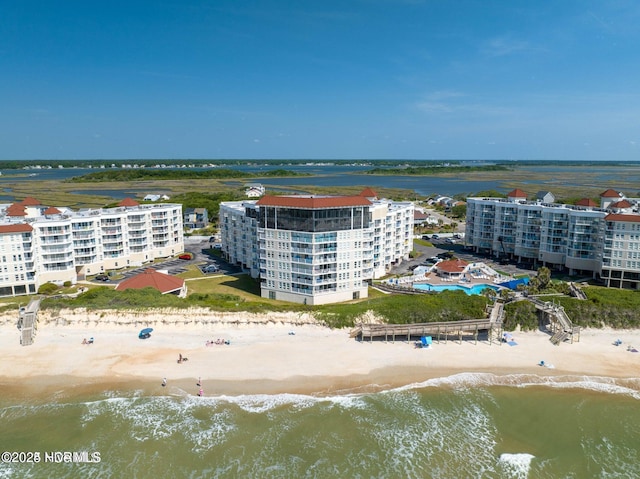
[47,288]
[520,313]
[406,309]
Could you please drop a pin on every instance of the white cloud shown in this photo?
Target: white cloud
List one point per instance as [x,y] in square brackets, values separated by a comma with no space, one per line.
[505,45]
[443,101]
[451,102]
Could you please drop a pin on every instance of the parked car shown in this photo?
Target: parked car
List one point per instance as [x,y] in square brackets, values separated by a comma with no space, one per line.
[431,261]
[425,237]
[102,277]
[211,268]
[217,246]
[435,237]
[186,256]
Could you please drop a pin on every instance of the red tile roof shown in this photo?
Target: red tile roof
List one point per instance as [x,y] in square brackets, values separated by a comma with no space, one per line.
[621,204]
[517,193]
[52,210]
[368,193]
[152,278]
[128,202]
[586,202]
[622,218]
[452,265]
[15,228]
[312,202]
[30,201]
[610,194]
[16,209]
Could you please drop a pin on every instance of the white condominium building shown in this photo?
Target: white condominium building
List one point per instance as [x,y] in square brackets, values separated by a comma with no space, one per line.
[602,240]
[621,256]
[316,249]
[40,244]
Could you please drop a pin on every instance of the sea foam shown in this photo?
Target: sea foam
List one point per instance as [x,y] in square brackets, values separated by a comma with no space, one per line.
[516,465]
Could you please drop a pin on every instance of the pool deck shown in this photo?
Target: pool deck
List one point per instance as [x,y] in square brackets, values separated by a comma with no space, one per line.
[434,280]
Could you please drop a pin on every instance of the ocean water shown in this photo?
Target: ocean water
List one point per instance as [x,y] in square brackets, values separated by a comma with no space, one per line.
[465,426]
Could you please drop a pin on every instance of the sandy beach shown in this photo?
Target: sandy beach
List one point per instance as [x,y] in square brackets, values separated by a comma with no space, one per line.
[274,353]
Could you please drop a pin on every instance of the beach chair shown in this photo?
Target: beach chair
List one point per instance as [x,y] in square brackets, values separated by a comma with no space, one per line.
[426,341]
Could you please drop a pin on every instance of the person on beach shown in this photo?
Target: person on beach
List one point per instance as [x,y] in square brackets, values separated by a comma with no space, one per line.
[84,341]
[164,382]
[198,383]
[201,392]
[179,358]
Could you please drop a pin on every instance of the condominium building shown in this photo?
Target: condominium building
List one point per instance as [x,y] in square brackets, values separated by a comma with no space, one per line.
[600,240]
[40,244]
[316,249]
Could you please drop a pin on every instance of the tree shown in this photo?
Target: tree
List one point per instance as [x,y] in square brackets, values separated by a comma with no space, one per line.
[544,277]
[506,294]
[459,211]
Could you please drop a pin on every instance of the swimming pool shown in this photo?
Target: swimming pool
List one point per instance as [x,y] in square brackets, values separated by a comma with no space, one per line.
[475,289]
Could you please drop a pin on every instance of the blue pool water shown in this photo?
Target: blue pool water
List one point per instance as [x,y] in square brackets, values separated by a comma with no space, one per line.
[475,289]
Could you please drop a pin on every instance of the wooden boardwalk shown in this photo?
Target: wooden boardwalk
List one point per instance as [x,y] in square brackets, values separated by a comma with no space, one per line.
[561,327]
[27,321]
[440,331]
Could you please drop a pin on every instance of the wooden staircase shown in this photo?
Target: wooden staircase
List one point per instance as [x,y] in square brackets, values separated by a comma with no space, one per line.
[28,321]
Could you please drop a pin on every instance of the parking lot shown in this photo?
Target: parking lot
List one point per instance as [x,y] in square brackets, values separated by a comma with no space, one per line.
[200,249]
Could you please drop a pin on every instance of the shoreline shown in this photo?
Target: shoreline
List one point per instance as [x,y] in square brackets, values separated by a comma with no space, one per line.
[274,356]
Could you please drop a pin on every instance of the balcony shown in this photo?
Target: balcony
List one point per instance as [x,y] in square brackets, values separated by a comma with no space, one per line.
[54,231]
[67,267]
[319,270]
[86,259]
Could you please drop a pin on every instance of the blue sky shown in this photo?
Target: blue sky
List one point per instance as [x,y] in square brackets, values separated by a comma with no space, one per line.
[406,79]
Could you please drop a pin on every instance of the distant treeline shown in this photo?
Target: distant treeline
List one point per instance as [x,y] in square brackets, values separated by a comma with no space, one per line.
[133,174]
[168,162]
[434,170]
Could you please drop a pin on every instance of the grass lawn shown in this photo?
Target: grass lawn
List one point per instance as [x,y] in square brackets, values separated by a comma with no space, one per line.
[192,272]
[239,285]
[422,242]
